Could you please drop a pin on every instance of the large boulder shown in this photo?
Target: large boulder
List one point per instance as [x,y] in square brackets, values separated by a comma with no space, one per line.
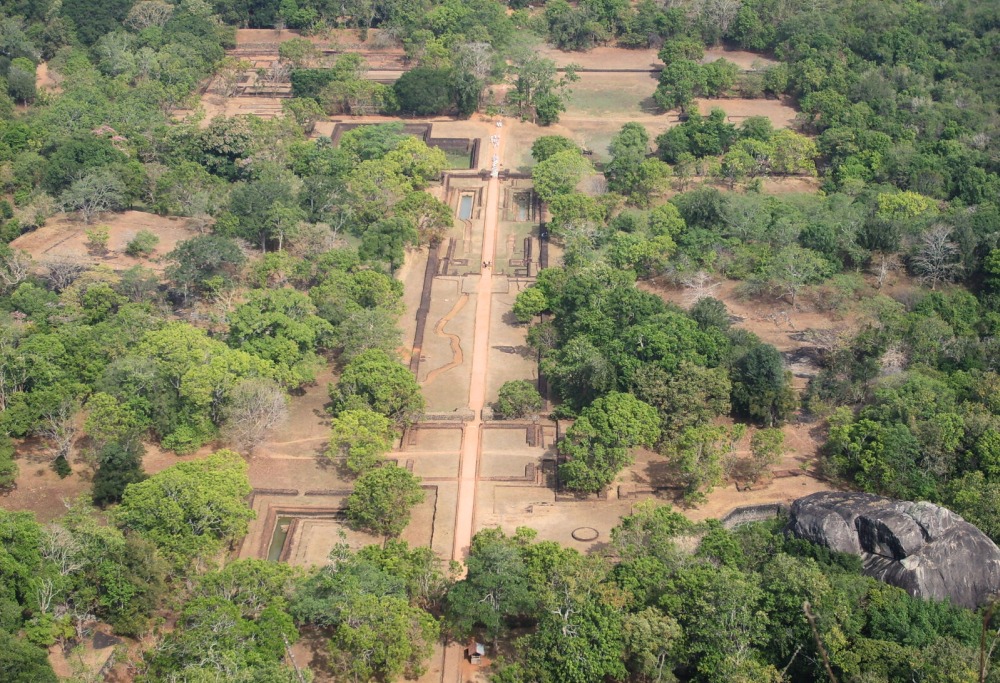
[928,551]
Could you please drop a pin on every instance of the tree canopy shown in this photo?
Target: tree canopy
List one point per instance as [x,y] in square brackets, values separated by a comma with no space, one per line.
[191,510]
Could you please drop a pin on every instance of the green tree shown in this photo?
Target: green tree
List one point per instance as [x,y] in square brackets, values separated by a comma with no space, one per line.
[880,458]
[187,189]
[21,82]
[720,77]
[366,329]
[213,638]
[419,568]
[974,496]
[576,216]
[584,643]
[281,326]
[121,577]
[579,371]
[227,143]
[93,22]
[118,466]
[793,267]
[597,444]
[680,82]
[536,90]
[143,244]
[628,150]
[666,220]
[793,153]
[204,263]
[647,257]
[95,193]
[305,110]
[529,303]
[263,207]
[697,453]
[382,638]
[8,468]
[192,509]
[572,28]
[385,242]
[548,145]
[650,641]
[22,662]
[376,186]
[366,143]
[21,555]
[767,446]
[629,172]
[341,293]
[363,437]
[382,499]
[375,380]
[298,51]
[723,616]
[181,381]
[559,174]
[761,386]
[516,399]
[495,589]
[98,238]
[691,395]
[108,421]
[282,222]
[418,162]
[737,166]
[680,48]
[425,91]
[429,215]
[710,313]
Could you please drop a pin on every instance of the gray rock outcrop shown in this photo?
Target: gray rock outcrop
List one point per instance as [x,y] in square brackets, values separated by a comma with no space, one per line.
[923,548]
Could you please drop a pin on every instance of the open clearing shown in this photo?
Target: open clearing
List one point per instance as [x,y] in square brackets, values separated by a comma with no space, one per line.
[41,491]
[621,58]
[45,79]
[64,237]
[780,112]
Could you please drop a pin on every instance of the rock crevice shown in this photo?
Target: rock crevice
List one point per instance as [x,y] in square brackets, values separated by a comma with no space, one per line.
[923,548]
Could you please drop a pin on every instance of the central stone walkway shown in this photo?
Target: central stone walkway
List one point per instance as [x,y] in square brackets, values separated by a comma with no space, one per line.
[468,475]
[468,472]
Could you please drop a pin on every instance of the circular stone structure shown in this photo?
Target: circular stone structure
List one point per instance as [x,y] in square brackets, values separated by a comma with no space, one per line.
[585,533]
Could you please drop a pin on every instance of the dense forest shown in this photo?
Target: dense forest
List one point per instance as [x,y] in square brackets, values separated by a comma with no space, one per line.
[293,272]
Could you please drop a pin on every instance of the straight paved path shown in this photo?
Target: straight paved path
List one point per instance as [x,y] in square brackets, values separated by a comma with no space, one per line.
[468,473]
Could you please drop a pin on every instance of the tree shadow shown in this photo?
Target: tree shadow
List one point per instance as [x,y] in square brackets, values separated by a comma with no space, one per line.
[820,432]
[603,548]
[526,352]
[324,414]
[674,495]
[649,106]
[510,319]
[316,641]
[34,451]
[658,474]
[522,350]
[326,464]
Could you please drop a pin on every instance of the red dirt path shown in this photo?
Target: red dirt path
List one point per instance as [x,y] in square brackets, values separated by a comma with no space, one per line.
[469,463]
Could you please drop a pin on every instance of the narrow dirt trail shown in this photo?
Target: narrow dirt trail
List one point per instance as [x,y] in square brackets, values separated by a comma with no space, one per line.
[468,474]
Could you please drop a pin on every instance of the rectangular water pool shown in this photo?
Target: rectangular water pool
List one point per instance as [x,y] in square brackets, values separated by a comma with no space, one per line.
[522,200]
[465,207]
[278,539]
